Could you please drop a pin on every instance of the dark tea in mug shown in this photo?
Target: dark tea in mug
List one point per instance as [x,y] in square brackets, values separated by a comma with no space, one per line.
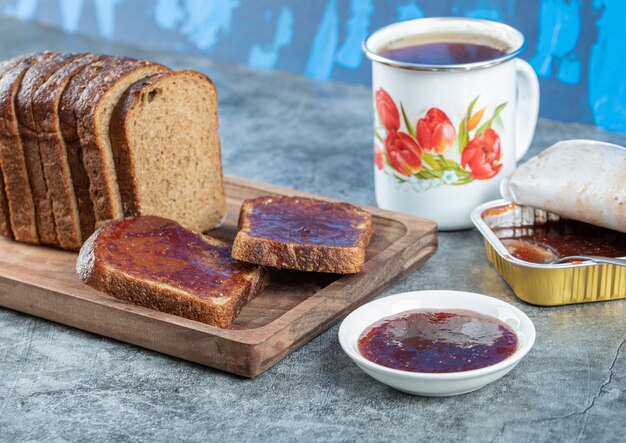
[443,53]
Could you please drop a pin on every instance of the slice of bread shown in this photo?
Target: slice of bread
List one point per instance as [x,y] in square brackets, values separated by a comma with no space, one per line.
[5,223]
[93,112]
[14,168]
[156,263]
[69,130]
[61,178]
[167,150]
[92,76]
[303,234]
[37,74]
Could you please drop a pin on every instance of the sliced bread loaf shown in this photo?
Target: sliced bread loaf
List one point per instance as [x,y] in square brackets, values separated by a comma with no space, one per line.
[167,150]
[36,75]
[14,168]
[303,234]
[63,179]
[93,112]
[156,263]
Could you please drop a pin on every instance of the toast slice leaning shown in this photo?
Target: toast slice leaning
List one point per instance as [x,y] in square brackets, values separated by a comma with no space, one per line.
[93,112]
[63,177]
[36,75]
[167,150]
[303,234]
[12,157]
[156,263]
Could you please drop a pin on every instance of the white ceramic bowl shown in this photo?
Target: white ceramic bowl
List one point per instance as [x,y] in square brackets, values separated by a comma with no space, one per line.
[429,384]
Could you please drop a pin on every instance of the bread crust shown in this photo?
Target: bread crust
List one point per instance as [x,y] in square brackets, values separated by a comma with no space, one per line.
[55,158]
[34,77]
[5,223]
[217,309]
[276,253]
[19,194]
[97,155]
[77,86]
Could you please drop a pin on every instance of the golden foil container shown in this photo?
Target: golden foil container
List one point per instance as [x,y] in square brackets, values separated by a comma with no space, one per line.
[543,284]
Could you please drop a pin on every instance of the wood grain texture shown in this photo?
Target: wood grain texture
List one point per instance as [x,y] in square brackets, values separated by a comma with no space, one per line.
[295,308]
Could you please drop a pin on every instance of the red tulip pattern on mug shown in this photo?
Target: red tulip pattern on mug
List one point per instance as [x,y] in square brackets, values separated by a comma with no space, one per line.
[418,154]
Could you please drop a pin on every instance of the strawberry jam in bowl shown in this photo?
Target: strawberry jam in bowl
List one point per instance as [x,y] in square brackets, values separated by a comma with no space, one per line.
[437,343]
[429,340]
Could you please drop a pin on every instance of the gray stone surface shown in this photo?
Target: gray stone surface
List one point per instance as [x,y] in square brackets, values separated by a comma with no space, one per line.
[58,383]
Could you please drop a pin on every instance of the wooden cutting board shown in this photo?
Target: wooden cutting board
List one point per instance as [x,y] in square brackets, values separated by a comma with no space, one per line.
[296,306]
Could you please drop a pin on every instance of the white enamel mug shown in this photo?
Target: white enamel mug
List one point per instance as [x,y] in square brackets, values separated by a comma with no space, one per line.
[446,135]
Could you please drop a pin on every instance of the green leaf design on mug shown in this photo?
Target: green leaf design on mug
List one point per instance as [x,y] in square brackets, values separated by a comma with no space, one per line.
[488,123]
[428,174]
[463,133]
[430,160]
[407,122]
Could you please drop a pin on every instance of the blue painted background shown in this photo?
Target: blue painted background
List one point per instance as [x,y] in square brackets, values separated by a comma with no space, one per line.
[577,47]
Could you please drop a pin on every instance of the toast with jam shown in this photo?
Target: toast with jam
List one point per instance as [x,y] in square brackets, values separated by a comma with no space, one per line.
[303,234]
[154,262]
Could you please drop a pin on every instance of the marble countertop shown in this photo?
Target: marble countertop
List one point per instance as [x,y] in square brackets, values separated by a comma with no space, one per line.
[59,383]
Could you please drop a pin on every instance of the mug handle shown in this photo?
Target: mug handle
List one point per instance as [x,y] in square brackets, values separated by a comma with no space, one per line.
[527,107]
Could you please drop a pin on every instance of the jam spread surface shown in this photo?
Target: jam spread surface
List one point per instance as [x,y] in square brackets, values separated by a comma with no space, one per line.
[546,242]
[426,340]
[306,221]
[162,250]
